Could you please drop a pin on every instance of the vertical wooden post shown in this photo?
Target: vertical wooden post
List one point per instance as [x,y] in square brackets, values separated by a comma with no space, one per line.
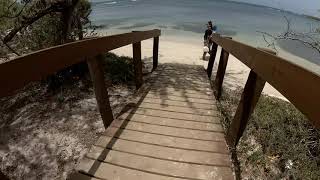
[221,72]
[137,63]
[212,58]
[97,75]
[249,99]
[155,53]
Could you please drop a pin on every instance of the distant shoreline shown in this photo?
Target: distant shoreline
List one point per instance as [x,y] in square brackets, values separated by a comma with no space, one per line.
[311,17]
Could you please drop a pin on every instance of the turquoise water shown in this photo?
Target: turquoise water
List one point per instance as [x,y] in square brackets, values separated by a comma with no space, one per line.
[180,17]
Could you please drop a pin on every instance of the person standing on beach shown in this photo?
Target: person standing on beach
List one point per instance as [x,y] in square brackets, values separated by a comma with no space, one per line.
[206,37]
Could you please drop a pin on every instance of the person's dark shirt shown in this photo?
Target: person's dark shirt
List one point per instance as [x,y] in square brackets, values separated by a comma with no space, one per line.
[207,34]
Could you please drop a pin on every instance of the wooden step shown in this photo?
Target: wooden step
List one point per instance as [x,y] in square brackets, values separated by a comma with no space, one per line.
[162,167]
[166,153]
[175,115]
[186,109]
[164,86]
[166,102]
[115,172]
[183,94]
[183,99]
[217,145]
[181,90]
[171,122]
[170,131]
[184,84]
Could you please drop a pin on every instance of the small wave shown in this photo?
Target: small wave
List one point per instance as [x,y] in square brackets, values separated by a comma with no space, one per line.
[110,3]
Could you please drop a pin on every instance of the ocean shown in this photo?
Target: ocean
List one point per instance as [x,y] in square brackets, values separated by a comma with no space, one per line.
[186,19]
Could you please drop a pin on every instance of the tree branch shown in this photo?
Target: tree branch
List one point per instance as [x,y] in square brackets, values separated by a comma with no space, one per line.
[307,39]
[5,14]
[29,20]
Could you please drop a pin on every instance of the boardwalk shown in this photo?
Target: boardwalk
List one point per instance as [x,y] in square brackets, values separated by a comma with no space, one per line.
[172,132]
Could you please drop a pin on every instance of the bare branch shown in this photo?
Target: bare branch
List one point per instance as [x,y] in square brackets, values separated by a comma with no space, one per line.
[10,48]
[307,39]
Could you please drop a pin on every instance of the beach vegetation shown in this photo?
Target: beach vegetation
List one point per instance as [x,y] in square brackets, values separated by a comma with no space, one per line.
[30,25]
[118,69]
[279,141]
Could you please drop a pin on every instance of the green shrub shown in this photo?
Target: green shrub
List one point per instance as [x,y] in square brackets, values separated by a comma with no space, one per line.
[119,69]
[279,141]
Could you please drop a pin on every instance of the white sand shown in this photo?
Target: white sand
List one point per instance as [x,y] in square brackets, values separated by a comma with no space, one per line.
[173,50]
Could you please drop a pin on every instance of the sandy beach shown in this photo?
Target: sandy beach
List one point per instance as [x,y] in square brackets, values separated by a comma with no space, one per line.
[173,50]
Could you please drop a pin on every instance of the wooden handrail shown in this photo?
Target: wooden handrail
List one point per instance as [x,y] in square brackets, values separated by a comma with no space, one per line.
[299,85]
[17,73]
[32,67]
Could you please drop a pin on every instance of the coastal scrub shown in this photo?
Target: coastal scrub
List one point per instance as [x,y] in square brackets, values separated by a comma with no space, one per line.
[279,141]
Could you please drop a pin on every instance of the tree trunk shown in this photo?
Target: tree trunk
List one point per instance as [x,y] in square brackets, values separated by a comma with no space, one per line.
[66,19]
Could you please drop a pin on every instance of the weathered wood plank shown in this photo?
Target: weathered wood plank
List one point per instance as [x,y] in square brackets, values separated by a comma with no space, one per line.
[249,99]
[137,63]
[97,75]
[155,53]
[39,64]
[164,167]
[170,122]
[166,102]
[157,138]
[299,85]
[111,171]
[212,59]
[171,131]
[187,110]
[166,153]
[221,72]
[216,146]
[189,99]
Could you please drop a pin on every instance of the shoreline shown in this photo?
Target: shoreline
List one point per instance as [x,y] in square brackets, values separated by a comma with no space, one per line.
[172,50]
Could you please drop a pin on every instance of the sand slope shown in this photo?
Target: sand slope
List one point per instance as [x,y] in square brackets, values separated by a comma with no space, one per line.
[190,52]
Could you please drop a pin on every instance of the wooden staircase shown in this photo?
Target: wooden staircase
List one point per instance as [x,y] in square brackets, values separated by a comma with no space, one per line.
[173,131]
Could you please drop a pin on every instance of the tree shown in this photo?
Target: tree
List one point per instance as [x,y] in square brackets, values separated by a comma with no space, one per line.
[310,39]
[30,25]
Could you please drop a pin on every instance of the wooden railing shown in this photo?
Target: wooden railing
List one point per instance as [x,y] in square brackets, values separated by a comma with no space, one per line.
[19,72]
[299,85]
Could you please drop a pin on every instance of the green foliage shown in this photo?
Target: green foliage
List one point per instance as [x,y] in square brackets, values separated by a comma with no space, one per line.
[279,141]
[119,69]
[285,132]
[45,32]
[42,34]
[5,12]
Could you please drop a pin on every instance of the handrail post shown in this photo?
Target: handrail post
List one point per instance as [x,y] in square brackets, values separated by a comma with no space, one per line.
[95,66]
[212,59]
[155,52]
[249,99]
[137,63]
[223,62]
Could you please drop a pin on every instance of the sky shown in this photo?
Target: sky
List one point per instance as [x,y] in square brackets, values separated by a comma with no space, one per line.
[308,7]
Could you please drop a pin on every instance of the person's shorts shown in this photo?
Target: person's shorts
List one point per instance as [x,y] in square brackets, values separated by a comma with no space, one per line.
[208,44]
